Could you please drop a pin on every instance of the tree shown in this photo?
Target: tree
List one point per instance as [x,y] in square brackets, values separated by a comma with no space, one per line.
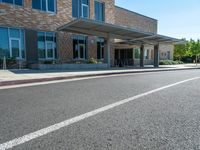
[189,49]
[180,51]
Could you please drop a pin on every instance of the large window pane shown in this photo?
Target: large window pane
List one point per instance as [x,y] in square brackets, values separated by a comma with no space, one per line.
[85,11]
[99,11]
[75,5]
[137,53]
[41,45]
[19,2]
[15,48]
[79,47]
[85,2]
[14,33]
[100,48]
[36,4]
[49,37]
[22,44]
[51,5]
[44,5]
[4,43]
[50,50]
[47,45]
[96,9]
[41,50]
[16,2]
[80,8]
[8,1]
[41,36]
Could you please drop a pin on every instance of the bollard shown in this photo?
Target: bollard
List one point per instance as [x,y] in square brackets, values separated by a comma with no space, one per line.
[4,63]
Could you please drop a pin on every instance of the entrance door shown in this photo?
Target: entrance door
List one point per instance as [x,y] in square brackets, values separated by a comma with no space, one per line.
[81,51]
[15,49]
[50,50]
[124,57]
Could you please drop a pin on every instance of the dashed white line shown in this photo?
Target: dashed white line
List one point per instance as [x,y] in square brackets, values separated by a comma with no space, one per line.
[55,127]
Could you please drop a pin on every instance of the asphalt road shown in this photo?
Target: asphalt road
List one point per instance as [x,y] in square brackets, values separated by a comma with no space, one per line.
[167,119]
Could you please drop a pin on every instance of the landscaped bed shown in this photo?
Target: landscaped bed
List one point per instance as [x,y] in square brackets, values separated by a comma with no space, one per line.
[170,62]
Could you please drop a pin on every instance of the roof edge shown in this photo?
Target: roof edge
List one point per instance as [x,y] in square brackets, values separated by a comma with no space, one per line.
[136,13]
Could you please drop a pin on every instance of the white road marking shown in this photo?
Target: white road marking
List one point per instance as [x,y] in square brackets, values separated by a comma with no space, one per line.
[69,80]
[52,128]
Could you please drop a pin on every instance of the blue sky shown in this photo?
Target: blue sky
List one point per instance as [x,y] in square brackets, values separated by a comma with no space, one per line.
[176,18]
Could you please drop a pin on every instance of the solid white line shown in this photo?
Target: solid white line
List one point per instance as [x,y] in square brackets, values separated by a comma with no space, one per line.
[70,80]
[52,128]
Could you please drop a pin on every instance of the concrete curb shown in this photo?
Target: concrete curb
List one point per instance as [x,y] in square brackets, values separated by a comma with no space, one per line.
[26,81]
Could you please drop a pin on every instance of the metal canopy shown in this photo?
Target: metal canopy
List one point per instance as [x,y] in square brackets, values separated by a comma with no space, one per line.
[102,29]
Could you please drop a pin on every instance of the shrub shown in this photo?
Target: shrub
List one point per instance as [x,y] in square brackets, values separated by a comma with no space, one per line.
[92,61]
[170,62]
[77,62]
[48,62]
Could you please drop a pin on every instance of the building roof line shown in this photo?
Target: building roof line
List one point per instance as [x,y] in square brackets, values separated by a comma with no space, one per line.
[136,13]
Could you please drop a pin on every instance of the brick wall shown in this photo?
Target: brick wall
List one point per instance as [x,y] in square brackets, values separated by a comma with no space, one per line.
[28,18]
[131,19]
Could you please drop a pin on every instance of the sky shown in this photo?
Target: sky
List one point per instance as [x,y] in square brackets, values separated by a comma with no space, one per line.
[176,18]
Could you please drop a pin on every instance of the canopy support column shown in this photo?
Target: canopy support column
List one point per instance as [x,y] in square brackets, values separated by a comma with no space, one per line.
[142,56]
[156,56]
[108,51]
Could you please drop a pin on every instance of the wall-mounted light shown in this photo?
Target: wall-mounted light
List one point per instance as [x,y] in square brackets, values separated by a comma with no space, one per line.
[92,41]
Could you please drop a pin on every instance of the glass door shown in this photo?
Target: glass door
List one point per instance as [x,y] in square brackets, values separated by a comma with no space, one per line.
[102,52]
[15,49]
[50,50]
[81,51]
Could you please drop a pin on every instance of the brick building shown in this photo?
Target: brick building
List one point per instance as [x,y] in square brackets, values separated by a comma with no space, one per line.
[37,31]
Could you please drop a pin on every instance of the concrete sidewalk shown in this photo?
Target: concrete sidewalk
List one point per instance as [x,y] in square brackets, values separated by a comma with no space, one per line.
[12,77]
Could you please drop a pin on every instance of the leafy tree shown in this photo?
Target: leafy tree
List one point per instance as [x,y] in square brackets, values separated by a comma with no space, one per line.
[189,49]
[180,51]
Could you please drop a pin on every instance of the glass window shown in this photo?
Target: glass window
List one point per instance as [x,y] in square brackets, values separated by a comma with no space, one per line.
[49,36]
[137,53]
[80,8]
[8,1]
[99,11]
[14,33]
[85,13]
[79,47]
[12,45]
[47,45]
[16,2]
[85,2]
[75,5]
[36,4]
[4,43]
[100,48]
[22,44]
[51,5]
[146,54]
[44,5]
[41,45]
[50,50]
[15,48]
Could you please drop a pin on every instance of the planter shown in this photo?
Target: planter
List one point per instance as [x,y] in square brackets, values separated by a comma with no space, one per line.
[70,66]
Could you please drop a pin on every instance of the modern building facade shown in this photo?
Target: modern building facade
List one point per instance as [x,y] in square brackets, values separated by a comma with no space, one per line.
[37,31]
